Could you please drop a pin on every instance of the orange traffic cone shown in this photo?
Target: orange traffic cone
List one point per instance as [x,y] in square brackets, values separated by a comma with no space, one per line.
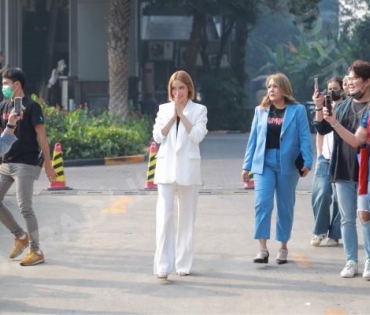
[57,162]
[250,183]
[151,167]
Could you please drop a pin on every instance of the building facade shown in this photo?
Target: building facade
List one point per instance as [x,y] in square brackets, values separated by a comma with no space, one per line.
[36,34]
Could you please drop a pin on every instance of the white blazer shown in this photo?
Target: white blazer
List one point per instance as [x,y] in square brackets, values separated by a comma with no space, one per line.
[178,158]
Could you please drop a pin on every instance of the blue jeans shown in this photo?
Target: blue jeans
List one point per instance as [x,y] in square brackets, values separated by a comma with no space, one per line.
[323,195]
[347,202]
[365,226]
[265,185]
[363,205]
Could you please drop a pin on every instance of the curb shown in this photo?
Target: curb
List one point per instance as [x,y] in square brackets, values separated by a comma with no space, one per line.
[126,159]
[106,161]
[225,132]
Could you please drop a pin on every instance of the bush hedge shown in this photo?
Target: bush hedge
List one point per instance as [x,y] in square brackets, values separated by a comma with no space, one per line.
[226,103]
[86,135]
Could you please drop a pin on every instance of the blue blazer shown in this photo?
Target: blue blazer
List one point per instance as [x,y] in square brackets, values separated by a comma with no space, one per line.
[295,138]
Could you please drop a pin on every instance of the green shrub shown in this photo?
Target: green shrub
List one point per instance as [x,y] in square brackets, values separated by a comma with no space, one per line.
[226,104]
[84,135]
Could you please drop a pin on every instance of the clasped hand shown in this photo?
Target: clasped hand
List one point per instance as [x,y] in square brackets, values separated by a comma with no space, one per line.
[178,112]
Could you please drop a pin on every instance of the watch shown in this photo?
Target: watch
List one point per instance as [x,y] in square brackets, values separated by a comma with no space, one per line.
[10,126]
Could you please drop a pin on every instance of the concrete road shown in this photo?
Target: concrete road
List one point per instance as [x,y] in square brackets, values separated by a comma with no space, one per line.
[222,159]
[99,243]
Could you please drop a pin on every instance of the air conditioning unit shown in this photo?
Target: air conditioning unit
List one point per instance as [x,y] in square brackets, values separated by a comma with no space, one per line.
[160,50]
[182,56]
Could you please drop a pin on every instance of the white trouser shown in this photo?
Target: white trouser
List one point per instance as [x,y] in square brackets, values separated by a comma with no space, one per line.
[168,254]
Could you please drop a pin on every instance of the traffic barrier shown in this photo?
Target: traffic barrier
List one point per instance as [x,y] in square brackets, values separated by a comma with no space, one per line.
[250,183]
[57,163]
[151,167]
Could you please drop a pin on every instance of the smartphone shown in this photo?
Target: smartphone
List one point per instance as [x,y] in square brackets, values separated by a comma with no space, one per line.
[18,105]
[327,104]
[316,80]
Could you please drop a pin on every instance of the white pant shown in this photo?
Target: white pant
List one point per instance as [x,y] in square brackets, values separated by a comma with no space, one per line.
[168,255]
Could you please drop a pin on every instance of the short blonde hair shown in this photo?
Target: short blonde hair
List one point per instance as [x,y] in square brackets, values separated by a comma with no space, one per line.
[283,83]
[185,78]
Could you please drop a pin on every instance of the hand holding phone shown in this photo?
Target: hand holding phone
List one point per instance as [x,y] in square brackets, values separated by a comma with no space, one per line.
[18,105]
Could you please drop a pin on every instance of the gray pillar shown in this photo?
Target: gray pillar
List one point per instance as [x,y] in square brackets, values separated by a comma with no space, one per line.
[2,25]
[11,31]
[73,60]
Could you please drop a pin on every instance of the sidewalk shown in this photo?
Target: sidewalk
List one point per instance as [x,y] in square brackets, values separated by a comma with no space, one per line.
[99,255]
[99,242]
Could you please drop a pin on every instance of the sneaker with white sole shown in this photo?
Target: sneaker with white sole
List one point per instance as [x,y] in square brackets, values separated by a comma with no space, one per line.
[317,239]
[332,242]
[350,269]
[366,273]
[33,258]
[19,246]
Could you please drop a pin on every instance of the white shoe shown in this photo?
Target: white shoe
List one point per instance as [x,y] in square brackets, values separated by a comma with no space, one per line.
[332,242]
[317,239]
[350,269]
[366,273]
[162,276]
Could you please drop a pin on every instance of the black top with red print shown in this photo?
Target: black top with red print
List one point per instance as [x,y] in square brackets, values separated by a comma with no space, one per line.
[275,122]
[26,149]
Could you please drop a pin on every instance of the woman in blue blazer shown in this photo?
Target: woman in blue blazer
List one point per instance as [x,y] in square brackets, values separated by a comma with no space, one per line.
[279,134]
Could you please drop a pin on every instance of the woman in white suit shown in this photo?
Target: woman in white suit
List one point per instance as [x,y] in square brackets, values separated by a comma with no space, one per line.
[179,128]
[279,134]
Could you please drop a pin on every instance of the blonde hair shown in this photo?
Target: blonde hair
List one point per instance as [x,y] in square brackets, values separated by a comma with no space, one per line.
[283,84]
[185,78]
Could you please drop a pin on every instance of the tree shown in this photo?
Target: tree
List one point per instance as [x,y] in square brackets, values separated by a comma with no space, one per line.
[360,40]
[355,27]
[351,13]
[238,16]
[118,56]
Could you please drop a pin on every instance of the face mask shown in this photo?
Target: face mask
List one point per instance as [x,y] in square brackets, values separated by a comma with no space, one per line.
[336,95]
[357,95]
[7,91]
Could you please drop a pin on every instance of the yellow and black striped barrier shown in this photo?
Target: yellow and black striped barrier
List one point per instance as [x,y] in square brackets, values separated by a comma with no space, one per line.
[151,167]
[57,163]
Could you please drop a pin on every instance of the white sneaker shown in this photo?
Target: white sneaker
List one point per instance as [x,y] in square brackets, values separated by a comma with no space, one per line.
[366,273]
[350,269]
[317,239]
[332,242]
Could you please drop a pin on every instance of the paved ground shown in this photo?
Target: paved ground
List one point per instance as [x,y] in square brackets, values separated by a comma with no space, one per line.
[99,243]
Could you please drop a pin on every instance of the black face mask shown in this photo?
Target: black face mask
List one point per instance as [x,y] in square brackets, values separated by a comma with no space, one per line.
[357,95]
[336,95]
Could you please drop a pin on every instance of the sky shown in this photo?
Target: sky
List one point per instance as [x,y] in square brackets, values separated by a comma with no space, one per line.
[357,8]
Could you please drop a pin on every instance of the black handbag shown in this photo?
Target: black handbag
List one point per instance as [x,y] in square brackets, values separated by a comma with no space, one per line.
[299,163]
